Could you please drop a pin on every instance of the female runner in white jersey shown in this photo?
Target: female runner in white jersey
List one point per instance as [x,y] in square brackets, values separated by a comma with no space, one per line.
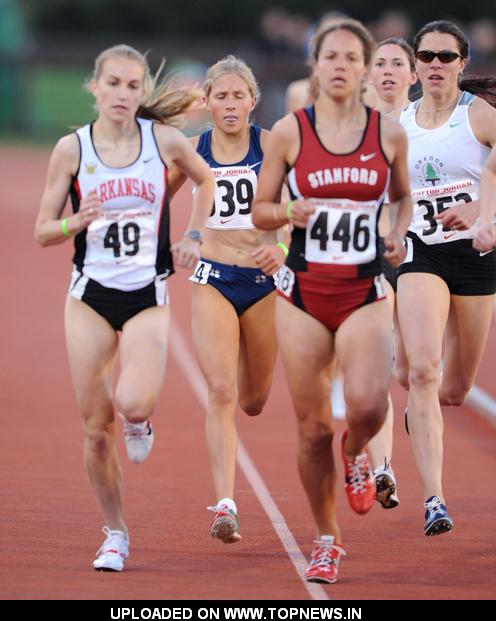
[116,173]
[392,73]
[443,283]
[233,290]
[340,156]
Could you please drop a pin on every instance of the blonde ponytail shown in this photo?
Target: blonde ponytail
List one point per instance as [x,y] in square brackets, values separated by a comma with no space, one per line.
[161,103]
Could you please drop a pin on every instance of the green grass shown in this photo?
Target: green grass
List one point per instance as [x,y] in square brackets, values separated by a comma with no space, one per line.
[54,101]
[59,100]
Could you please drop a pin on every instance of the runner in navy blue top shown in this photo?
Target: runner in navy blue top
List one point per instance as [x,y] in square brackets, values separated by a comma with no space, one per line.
[234,290]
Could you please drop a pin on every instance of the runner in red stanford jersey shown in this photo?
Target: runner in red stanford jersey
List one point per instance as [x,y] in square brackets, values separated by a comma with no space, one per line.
[332,306]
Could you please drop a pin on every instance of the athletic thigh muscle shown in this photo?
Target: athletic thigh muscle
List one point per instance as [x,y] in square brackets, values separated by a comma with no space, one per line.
[92,346]
[143,355]
[215,335]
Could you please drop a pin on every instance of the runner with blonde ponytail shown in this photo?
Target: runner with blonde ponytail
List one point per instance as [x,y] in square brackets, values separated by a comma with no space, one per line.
[116,172]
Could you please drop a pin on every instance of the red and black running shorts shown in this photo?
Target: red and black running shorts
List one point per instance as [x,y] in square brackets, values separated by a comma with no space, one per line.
[329,298]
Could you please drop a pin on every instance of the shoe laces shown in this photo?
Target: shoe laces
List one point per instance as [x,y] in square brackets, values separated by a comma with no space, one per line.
[326,553]
[135,431]
[358,470]
[386,469]
[113,541]
[221,508]
[433,504]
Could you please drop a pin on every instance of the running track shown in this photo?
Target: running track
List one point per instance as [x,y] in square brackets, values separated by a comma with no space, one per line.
[49,520]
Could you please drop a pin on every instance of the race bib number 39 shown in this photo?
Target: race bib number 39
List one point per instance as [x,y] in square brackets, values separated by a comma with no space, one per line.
[235,189]
[430,202]
[341,232]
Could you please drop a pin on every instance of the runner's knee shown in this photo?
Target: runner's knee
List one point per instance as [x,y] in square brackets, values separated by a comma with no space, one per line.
[453,395]
[400,374]
[98,438]
[316,440]
[222,393]
[423,373]
[367,410]
[253,405]
[135,408]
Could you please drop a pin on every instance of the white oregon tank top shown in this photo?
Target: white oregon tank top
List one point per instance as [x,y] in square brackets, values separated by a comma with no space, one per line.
[128,245]
[444,165]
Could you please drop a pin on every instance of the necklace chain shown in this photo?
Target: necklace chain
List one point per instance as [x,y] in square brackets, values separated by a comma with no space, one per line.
[438,109]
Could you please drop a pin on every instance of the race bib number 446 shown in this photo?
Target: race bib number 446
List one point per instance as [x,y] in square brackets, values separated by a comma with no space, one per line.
[341,232]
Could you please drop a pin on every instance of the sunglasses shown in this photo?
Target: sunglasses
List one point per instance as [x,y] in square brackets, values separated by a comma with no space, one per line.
[445,56]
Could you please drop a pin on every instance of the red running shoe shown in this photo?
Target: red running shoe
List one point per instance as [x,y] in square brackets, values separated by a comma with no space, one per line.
[359,482]
[324,563]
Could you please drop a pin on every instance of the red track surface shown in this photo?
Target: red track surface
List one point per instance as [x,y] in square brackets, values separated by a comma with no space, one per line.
[49,517]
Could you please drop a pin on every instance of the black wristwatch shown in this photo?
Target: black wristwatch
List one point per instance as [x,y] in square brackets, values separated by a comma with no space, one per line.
[195,235]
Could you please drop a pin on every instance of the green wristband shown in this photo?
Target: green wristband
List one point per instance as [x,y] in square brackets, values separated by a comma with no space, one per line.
[289,209]
[64,228]
[283,247]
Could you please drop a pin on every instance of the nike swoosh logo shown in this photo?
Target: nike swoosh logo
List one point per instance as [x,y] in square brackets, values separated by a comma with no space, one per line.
[366,158]
[487,252]
[225,221]
[455,124]
[337,257]
[148,160]
[449,235]
[254,165]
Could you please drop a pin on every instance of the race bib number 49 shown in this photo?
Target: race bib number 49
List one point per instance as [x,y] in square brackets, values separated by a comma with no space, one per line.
[122,237]
[341,232]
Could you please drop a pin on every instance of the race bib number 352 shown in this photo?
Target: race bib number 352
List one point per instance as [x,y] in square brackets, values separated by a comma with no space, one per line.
[342,232]
[431,202]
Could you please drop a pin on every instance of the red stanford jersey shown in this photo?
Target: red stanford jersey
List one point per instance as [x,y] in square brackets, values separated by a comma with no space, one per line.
[348,191]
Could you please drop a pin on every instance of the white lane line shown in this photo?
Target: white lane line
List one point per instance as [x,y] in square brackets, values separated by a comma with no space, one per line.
[483,403]
[189,367]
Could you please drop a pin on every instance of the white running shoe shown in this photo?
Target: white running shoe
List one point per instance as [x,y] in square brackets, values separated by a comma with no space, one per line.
[113,552]
[338,405]
[225,525]
[385,483]
[138,438]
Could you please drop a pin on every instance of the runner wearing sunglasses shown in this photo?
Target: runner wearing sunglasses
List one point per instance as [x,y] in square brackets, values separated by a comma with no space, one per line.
[443,282]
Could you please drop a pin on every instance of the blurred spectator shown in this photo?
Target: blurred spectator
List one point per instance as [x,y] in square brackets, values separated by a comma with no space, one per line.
[299,92]
[298,34]
[326,19]
[187,73]
[393,23]
[283,33]
[274,28]
[483,46]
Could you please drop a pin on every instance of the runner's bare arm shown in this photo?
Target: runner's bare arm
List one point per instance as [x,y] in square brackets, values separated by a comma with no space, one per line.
[267,212]
[483,122]
[178,151]
[396,148]
[485,236]
[49,228]
[176,177]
